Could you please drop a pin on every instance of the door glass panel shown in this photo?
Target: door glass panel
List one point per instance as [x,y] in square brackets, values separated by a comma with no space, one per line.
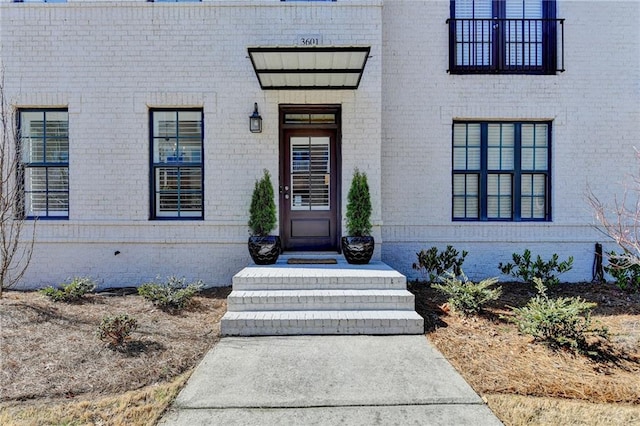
[523,35]
[310,173]
[474,32]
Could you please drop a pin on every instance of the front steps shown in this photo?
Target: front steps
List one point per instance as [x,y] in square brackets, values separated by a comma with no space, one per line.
[285,299]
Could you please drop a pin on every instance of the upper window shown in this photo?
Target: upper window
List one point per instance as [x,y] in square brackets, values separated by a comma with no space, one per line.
[504,36]
[177,167]
[39,1]
[501,171]
[44,152]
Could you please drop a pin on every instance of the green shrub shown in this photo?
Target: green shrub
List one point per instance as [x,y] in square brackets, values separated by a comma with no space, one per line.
[523,267]
[262,213]
[557,322]
[466,296]
[70,292]
[625,273]
[173,294]
[116,330]
[358,216]
[433,264]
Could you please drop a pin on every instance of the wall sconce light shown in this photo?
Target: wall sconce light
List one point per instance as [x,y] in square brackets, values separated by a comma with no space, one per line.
[255,121]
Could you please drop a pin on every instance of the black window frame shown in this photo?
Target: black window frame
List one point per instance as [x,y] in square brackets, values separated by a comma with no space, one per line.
[176,163]
[499,26]
[516,174]
[45,164]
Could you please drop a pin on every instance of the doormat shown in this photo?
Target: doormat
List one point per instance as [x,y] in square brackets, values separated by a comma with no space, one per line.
[303,261]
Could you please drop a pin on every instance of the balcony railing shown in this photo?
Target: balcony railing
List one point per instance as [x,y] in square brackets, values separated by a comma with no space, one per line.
[506,46]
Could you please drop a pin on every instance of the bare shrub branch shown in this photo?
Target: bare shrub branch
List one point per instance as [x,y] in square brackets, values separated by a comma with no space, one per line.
[15,248]
[621,221]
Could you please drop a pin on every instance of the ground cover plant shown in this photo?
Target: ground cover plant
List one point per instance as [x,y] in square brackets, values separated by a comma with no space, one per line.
[432,263]
[116,330]
[173,294]
[465,296]
[526,269]
[625,274]
[70,292]
[561,322]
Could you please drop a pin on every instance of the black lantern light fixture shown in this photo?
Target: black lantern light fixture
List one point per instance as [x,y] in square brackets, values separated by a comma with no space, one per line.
[255,121]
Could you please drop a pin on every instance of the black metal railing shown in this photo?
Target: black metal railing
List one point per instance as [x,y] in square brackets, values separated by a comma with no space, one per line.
[507,46]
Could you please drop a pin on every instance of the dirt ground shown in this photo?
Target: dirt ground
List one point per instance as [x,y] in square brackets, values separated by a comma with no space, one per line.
[49,351]
[495,359]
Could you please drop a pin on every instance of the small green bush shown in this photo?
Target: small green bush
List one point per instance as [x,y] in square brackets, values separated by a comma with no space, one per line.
[560,322]
[262,212]
[173,294]
[466,296]
[358,216]
[116,330]
[625,273]
[526,269]
[433,264]
[70,292]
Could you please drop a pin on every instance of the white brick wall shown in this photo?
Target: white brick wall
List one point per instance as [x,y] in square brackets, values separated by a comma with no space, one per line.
[109,62]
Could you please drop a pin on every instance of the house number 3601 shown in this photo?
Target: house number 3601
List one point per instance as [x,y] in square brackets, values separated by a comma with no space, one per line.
[309,41]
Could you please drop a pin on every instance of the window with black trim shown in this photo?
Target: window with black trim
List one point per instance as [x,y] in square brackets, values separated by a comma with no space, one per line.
[39,1]
[505,36]
[501,171]
[44,165]
[177,164]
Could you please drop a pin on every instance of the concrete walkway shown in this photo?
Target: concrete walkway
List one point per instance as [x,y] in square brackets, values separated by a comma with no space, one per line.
[327,380]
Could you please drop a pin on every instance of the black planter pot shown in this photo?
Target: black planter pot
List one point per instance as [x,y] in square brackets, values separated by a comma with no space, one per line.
[265,250]
[358,250]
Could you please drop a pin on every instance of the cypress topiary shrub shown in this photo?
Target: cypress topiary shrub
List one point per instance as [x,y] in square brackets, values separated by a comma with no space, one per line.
[262,213]
[358,245]
[359,206]
[263,248]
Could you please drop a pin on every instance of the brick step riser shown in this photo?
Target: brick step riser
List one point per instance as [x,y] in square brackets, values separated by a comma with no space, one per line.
[320,306]
[380,303]
[321,322]
[289,331]
[282,327]
[297,285]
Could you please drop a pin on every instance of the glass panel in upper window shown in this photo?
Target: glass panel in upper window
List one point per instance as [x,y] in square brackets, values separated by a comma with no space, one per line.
[466,146]
[42,131]
[535,149]
[500,146]
[177,136]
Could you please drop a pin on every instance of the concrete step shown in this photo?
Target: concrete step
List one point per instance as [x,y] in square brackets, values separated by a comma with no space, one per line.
[267,323]
[311,300]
